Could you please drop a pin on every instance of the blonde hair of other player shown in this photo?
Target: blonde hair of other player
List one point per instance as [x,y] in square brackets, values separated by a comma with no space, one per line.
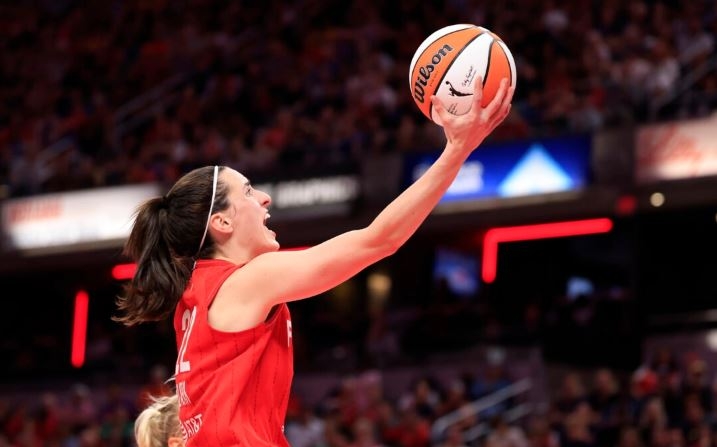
[158,424]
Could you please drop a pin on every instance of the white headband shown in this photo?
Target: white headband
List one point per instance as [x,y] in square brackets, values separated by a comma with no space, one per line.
[211,207]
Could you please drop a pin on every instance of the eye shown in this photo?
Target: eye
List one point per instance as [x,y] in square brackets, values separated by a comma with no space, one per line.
[249,191]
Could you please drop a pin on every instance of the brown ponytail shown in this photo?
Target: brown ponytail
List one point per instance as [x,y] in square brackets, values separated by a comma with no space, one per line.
[164,242]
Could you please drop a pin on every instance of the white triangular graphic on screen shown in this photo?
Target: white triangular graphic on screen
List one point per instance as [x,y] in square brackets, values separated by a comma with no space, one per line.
[536,173]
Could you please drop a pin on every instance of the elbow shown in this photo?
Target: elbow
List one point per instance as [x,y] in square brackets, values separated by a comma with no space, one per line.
[392,247]
[380,244]
[385,249]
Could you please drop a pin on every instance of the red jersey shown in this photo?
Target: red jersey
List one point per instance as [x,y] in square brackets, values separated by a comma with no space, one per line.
[233,387]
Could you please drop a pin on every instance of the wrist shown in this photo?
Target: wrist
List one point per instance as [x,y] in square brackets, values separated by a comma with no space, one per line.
[457,149]
[456,153]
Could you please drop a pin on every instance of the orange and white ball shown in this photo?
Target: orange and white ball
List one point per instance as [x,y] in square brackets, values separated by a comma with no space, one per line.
[448,62]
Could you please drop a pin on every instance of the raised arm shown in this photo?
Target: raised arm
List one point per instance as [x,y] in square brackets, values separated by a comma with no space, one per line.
[286,276]
[402,217]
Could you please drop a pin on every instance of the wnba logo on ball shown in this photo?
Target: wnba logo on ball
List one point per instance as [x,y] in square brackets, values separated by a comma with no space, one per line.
[424,73]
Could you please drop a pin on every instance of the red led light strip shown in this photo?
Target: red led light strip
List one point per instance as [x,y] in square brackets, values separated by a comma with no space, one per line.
[79,329]
[495,236]
[124,271]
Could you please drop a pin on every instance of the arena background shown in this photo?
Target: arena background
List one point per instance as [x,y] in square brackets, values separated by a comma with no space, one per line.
[565,285]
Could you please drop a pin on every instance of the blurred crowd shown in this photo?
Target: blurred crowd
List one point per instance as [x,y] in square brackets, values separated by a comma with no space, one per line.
[666,402]
[669,401]
[81,416]
[107,93]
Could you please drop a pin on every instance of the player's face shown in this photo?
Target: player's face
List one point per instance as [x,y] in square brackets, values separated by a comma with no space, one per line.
[249,211]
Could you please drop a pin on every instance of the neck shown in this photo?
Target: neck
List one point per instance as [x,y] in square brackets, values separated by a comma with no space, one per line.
[236,256]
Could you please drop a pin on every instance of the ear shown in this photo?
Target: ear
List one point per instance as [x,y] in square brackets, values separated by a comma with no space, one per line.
[221,223]
[175,441]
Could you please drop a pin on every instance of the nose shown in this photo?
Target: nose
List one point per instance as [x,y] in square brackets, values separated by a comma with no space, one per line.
[264,198]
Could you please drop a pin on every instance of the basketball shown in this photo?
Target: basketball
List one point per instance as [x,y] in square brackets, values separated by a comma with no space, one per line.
[447,63]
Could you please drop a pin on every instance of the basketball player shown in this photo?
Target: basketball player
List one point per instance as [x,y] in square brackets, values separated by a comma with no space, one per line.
[204,252]
[158,424]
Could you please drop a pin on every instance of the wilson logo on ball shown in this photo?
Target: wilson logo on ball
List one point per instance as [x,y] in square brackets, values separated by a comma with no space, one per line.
[424,73]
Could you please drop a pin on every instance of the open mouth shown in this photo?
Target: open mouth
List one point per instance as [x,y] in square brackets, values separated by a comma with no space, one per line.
[266,218]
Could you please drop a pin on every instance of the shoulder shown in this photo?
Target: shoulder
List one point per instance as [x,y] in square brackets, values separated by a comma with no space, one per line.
[247,278]
[238,303]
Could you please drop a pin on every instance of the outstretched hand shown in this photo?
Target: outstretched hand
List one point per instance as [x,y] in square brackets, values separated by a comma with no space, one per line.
[466,132]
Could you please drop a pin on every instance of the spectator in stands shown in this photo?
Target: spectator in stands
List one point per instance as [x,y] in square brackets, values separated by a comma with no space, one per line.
[453,438]
[364,434]
[15,421]
[695,420]
[607,403]
[694,42]
[540,434]
[653,421]
[116,401]
[47,418]
[422,397]
[304,428]
[662,437]
[494,375]
[387,422]
[413,430]
[370,397]
[662,79]
[576,427]
[455,397]
[504,434]
[116,428]
[629,437]
[695,382]
[665,365]
[344,402]
[571,395]
[81,412]
[643,385]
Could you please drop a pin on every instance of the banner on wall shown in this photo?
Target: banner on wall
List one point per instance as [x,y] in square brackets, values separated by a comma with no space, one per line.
[676,150]
[62,220]
[313,196]
[515,169]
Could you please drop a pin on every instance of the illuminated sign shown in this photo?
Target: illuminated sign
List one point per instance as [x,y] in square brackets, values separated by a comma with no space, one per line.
[676,150]
[311,197]
[60,220]
[516,169]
